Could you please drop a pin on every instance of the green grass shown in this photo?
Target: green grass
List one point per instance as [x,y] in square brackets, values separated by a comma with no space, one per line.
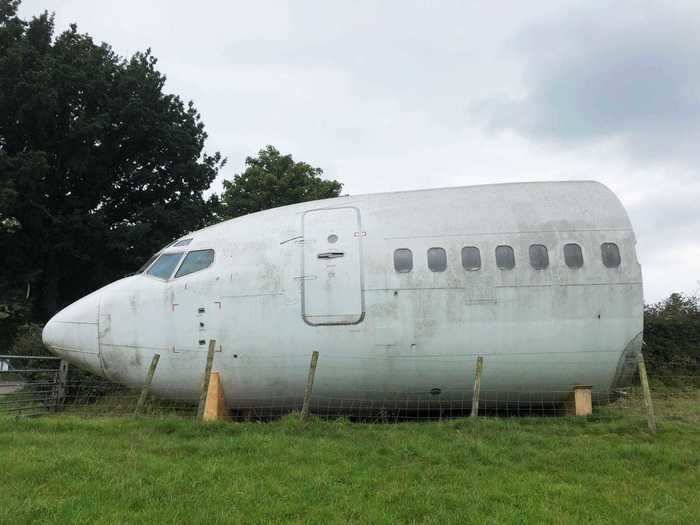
[64,469]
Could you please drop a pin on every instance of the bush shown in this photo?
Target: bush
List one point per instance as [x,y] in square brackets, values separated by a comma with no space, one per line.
[672,336]
[27,341]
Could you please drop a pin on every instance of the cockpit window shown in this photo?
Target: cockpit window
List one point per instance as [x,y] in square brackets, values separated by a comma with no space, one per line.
[195,261]
[183,242]
[153,257]
[147,263]
[164,266]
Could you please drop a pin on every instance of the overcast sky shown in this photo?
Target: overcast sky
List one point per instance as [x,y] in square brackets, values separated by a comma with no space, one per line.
[399,95]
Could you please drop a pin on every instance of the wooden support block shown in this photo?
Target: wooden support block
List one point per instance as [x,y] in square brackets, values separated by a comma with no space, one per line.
[214,406]
[582,401]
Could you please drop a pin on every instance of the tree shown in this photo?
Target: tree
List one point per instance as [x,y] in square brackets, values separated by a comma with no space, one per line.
[672,335]
[271,180]
[98,166]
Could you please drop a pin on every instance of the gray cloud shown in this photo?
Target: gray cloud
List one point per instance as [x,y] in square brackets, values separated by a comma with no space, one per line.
[629,74]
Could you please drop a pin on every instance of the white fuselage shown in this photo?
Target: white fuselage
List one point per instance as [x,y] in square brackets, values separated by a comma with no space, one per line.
[322,276]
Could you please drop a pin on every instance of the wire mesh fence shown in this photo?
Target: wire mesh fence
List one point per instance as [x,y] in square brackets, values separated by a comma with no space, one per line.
[36,386]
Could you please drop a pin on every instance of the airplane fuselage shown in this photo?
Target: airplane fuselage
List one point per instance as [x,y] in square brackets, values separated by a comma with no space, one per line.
[398,292]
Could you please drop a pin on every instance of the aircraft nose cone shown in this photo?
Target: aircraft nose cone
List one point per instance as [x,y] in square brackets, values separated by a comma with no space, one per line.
[73,334]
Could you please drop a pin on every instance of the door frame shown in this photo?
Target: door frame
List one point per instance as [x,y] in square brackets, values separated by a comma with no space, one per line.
[359,234]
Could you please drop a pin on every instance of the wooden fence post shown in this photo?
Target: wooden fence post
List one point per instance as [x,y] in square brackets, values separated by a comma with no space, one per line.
[651,418]
[205,379]
[477,386]
[61,380]
[309,386]
[147,384]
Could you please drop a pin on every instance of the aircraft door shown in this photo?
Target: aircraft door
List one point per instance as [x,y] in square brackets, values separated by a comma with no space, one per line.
[332,291]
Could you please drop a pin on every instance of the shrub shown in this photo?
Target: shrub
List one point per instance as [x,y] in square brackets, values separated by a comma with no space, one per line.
[672,336]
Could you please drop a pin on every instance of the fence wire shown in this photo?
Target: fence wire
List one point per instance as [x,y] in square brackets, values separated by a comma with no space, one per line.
[32,386]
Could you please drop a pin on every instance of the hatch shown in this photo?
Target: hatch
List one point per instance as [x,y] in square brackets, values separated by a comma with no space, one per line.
[332,293]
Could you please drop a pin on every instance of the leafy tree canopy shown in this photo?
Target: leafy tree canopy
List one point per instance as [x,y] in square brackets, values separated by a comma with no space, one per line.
[98,166]
[271,180]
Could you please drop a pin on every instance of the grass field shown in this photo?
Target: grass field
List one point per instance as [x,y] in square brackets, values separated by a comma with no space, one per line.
[66,469]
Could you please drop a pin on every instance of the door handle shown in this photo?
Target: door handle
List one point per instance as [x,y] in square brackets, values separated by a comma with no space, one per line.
[330,255]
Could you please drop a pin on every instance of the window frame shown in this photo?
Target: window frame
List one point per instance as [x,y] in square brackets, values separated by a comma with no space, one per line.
[580,255]
[478,254]
[410,252]
[444,254]
[172,272]
[512,252]
[145,266]
[618,254]
[537,246]
[187,254]
[149,262]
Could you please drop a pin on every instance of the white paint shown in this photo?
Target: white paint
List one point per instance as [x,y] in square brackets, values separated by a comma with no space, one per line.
[398,334]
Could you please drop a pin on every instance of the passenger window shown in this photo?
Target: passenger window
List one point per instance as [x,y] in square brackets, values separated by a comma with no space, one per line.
[471,258]
[437,259]
[573,257]
[505,257]
[195,261]
[610,254]
[403,260]
[164,266]
[539,257]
